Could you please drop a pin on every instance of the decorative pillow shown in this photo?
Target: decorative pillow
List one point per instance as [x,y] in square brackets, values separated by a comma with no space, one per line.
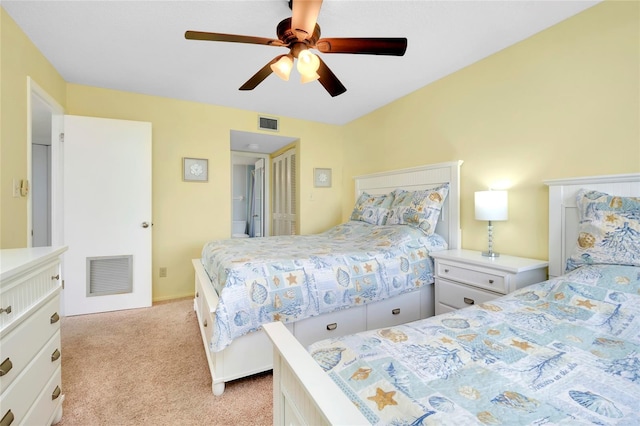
[608,230]
[372,209]
[419,209]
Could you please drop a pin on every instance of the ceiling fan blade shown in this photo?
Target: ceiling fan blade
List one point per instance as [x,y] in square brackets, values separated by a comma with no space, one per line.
[304,16]
[329,80]
[258,77]
[233,38]
[365,46]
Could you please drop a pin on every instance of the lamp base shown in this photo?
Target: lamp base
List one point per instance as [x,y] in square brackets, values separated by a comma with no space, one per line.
[490,254]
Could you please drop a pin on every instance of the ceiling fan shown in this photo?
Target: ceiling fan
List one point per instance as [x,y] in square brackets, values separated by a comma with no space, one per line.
[299,34]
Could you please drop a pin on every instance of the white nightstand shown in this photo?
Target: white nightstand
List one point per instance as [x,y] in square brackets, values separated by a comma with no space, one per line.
[465,277]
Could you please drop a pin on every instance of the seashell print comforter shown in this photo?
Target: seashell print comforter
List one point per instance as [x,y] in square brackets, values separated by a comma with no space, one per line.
[565,351]
[287,278]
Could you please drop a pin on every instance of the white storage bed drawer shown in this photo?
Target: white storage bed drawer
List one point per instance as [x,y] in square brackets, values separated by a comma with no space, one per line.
[335,324]
[394,311]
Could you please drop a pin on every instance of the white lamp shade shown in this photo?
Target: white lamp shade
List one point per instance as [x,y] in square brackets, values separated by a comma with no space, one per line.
[308,63]
[491,205]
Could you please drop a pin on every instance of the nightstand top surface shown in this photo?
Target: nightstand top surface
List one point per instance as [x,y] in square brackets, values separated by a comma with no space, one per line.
[504,262]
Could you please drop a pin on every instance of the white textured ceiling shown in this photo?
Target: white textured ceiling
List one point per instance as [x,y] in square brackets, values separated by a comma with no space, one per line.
[139,46]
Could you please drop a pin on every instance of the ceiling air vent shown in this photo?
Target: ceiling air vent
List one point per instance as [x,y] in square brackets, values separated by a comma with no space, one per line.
[268,123]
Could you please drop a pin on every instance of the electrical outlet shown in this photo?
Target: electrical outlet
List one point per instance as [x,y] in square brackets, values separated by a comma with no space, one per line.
[163,272]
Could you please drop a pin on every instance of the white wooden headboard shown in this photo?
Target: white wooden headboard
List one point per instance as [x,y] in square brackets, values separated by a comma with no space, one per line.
[563,213]
[418,178]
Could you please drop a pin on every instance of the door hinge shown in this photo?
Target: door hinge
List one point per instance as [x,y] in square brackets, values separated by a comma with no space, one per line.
[61,137]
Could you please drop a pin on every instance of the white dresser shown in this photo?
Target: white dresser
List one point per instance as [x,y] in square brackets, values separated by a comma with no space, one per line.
[30,354]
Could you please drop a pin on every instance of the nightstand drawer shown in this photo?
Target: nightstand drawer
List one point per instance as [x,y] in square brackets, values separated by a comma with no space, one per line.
[460,296]
[475,277]
[394,311]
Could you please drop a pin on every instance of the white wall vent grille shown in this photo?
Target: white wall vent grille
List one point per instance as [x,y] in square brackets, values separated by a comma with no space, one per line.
[109,275]
[268,123]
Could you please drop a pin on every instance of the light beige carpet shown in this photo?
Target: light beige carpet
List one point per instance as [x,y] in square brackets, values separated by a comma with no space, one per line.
[148,367]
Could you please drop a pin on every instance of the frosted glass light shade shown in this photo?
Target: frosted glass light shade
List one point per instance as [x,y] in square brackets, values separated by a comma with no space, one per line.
[308,64]
[309,78]
[491,205]
[283,66]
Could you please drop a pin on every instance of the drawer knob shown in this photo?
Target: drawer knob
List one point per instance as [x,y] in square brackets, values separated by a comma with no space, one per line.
[56,393]
[446,270]
[469,301]
[6,310]
[396,311]
[5,367]
[55,355]
[204,322]
[490,281]
[332,326]
[55,277]
[7,419]
[197,294]
[55,318]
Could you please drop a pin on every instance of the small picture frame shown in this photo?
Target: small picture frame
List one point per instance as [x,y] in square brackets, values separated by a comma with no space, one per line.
[322,178]
[195,169]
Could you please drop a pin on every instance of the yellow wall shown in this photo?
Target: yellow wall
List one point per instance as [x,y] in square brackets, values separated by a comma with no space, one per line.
[187,214]
[563,103]
[19,58]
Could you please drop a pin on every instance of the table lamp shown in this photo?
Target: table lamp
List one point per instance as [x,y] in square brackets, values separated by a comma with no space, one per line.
[490,206]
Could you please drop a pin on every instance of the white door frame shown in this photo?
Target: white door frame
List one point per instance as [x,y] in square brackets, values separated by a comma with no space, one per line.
[267,187]
[57,120]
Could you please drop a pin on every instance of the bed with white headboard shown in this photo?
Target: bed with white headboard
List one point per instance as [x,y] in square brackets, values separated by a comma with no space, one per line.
[602,386]
[251,353]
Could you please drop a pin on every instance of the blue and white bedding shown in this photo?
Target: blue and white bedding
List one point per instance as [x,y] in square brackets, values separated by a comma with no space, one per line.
[565,351]
[288,278]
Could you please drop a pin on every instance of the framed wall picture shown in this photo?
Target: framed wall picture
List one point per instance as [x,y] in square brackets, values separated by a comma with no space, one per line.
[322,178]
[195,169]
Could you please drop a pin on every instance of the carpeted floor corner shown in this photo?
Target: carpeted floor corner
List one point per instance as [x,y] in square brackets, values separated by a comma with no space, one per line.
[148,367]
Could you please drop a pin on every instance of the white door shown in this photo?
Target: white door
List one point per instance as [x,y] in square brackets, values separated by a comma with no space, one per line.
[107,214]
[258,199]
[40,195]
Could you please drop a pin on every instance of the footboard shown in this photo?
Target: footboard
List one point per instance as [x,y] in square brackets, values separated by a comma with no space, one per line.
[302,392]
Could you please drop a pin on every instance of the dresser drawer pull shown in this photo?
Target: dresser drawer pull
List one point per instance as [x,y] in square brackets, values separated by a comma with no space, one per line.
[204,322]
[490,281]
[55,277]
[469,301]
[197,294]
[332,326]
[5,367]
[55,355]
[446,270]
[7,419]
[55,318]
[56,393]
[396,311]
[6,310]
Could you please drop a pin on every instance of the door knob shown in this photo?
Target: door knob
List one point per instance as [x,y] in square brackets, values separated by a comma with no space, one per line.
[145,224]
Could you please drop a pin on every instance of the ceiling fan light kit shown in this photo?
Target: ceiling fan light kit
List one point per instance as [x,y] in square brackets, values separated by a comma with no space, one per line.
[299,34]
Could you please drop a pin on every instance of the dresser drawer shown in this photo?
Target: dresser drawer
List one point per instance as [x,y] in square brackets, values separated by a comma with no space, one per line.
[475,277]
[25,389]
[26,290]
[48,402]
[460,296]
[443,309]
[334,324]
[22,344]
[394,311]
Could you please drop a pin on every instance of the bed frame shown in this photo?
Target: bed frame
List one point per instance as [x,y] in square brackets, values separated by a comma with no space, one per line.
[252,353]
[304,394]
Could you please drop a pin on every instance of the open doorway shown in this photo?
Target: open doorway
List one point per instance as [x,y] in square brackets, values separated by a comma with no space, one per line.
[44,209]
[250,182]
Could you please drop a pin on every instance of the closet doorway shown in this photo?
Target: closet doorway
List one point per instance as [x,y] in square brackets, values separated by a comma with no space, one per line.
[251,185]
